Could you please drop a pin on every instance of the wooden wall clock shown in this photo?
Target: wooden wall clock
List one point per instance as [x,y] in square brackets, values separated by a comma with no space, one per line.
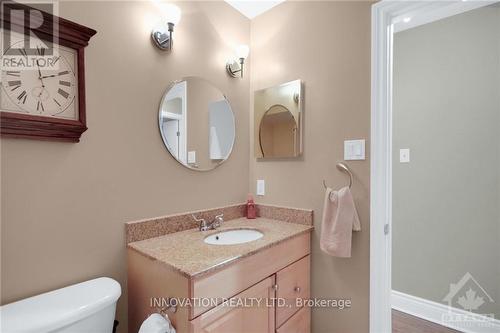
[43,98]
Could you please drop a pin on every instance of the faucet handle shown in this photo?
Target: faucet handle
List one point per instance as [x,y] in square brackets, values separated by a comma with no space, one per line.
[219,219]
[197,219]
[203,223]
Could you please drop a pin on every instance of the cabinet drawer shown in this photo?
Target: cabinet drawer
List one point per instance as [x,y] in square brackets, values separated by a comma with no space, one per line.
[255,317]
[293,283]
[299,323]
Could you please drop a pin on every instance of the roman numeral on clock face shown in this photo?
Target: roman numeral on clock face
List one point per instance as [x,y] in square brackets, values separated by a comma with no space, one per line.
[14,73]
[40,105]
[22,96]
[40,50]
[63,93]
[14,84]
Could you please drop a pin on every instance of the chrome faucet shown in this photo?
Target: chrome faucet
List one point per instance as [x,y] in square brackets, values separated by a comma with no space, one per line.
[218,220]
[204,226]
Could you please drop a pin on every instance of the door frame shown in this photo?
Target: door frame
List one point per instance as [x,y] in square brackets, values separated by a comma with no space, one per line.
[389,17]
[177,89]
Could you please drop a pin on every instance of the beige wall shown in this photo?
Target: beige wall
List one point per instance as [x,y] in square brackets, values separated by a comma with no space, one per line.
[327,45]
[64,205]
[447,111]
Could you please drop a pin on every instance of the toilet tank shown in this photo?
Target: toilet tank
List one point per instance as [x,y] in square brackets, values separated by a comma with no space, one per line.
[87,307]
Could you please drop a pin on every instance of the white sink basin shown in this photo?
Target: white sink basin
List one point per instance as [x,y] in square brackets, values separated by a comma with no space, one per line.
[231,237]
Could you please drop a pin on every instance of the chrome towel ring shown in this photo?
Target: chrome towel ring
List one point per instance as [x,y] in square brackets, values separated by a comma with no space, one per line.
[342,167]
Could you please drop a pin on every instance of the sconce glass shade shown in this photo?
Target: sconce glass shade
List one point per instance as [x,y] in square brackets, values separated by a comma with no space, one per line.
[242,51]
[168,12]
[172,13]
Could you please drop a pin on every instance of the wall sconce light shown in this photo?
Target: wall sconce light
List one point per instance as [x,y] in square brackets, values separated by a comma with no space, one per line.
[162,35]
[235,66]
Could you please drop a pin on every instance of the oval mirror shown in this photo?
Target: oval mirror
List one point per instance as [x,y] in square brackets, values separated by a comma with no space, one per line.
[279,121]
[278,133]
[196,124]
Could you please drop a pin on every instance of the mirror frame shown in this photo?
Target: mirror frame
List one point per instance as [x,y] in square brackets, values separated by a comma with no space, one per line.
[170,86]
[300,124]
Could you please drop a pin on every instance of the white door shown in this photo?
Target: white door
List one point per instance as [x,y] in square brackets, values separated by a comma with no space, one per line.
[171,129]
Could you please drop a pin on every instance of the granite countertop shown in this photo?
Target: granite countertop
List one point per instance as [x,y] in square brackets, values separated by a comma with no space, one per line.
[187,253]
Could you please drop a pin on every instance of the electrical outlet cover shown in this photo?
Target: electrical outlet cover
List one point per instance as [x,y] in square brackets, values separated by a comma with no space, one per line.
[261,187]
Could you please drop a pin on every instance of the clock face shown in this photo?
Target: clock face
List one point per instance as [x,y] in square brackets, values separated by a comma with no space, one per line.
[47,86]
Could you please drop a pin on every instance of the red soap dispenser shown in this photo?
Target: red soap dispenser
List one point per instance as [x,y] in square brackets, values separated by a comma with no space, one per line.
[251,213]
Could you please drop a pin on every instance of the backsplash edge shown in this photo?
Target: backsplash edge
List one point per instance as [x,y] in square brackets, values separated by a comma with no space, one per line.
[142,229]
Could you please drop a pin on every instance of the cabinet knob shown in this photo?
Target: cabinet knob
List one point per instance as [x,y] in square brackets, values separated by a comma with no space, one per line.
[297,289]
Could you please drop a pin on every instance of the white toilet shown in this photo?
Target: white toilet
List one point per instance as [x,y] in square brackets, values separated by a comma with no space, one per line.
[87,307]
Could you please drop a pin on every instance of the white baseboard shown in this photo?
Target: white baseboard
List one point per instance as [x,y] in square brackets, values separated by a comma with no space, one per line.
[435,312]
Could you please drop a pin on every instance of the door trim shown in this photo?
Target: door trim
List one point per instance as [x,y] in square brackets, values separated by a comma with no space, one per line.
[389,17]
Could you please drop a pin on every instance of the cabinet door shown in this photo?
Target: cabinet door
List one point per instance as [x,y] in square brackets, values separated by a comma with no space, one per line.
[298,323]
[293,284]
[251,311]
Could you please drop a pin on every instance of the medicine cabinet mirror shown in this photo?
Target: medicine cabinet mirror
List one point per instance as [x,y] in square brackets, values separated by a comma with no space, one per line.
[197,124]
[278,121]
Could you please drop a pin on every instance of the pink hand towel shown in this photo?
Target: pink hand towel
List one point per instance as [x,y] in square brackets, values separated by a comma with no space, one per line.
[340,218]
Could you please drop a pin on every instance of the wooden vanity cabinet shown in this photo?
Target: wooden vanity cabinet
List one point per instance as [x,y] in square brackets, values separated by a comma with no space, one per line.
[269,314]
[281,271]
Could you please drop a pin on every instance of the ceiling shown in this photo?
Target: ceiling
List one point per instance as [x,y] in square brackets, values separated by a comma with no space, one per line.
[253,8]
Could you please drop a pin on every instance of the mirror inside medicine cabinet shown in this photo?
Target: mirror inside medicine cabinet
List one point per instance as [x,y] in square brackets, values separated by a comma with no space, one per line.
[196,123]
[278,121]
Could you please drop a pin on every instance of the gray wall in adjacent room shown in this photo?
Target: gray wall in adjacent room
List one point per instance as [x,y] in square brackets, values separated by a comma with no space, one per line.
[446,200]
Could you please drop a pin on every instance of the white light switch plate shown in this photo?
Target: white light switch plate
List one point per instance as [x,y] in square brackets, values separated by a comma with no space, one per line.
[354,150]
[261,187]
[404,155]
